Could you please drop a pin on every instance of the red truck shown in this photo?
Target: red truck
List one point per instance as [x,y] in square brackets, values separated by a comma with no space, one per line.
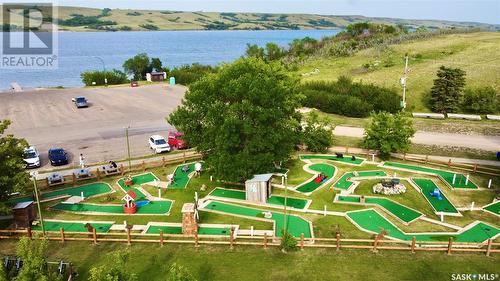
[175,140]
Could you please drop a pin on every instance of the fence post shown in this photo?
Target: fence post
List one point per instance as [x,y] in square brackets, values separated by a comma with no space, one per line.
[265,240]
[413,242]
[143,166]
[450,244]
[62,235]
[375,243]
[129,242]
[74,179]
[488,248]
[47,182]
[161,237]
[231,239]
[426,159]
[475,167]
[404,156]
[346,150]
[94,236]
[449,162]
[302,241]
[98,173]
[163,161]
[122,170]
[184,156]
[29,233]
[196,241]
[338,241]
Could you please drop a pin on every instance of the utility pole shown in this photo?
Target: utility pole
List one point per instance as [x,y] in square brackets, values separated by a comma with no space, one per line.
[104,69]
[128,149]
[34,176]
[286,196]
[403,82]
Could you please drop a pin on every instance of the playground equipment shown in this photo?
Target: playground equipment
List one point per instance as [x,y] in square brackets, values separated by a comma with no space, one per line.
[320,178]
[258,189]
[130,207]
[128,181]
[437,193]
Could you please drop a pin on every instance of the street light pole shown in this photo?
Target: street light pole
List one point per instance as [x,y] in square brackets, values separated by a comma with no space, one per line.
[34,176]
[286,198]
[128,149]
[104,70]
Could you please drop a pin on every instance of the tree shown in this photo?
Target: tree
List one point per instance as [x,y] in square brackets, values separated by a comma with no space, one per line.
[389,133]
[273,52]
[33,252]
[317,134]
[156,64]
[447,92]
[138,66]
[254,51]
[179,273]
[483,100]
[243,118]
[114,270]
[13,177]
[3,274]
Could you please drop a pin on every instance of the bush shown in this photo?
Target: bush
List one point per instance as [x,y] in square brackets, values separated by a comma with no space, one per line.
[188,74]
[481,101]
[149,26]
[114,77]
[347,98]
[288,242]
[317,135]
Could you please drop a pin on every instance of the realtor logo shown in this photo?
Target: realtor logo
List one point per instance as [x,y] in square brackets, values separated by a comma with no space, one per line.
[29,37]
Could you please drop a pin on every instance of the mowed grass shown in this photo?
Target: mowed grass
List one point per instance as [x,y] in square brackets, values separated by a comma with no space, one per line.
[151,262]
[476,53]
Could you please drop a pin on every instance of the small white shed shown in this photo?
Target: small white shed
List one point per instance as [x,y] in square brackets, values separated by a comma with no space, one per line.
[258,189]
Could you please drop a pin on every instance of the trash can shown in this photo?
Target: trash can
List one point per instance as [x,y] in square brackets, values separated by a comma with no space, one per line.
[172,81]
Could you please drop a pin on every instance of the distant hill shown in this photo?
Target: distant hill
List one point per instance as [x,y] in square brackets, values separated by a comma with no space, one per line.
[90,19]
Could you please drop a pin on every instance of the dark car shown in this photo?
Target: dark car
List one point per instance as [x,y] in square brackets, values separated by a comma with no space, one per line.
[80,102]
[57,156]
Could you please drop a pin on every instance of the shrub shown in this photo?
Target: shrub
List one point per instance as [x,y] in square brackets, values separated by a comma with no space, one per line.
[317,135]
[288,242]
[481,101]
[188,74]
[114,77]
[149,26]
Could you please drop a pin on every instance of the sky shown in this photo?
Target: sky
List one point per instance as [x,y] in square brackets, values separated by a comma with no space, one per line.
[486,11]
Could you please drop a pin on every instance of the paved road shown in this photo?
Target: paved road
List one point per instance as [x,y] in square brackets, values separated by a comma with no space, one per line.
[491,143]
[48,118]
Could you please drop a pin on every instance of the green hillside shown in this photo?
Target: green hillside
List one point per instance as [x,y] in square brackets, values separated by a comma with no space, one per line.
[90,19]
[476,53]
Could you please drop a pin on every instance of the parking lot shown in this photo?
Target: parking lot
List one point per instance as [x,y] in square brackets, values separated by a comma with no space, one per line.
[48,118]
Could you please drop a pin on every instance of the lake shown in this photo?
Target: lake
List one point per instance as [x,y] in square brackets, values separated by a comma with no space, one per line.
[79,52]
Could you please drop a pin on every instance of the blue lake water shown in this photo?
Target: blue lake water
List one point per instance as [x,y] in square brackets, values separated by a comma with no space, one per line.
[78,52]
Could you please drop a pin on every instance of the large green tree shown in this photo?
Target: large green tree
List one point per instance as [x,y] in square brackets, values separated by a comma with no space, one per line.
[316,133]
[447,92]
[389,133]
[33,252]
[115,269]
[138,66]
[13,177]
[243,118]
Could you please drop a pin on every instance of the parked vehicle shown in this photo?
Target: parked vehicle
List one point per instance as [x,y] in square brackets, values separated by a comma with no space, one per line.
[175,139]
[158,144]
[58,156]
[80,102]
[31,157]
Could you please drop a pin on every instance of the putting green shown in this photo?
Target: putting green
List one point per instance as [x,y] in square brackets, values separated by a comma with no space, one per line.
[72,226]
[493,208]
[137,181]
[88,190]
[345,159]
[447,176]
[274,200]
[152,208]
[402,212]
[371,221]
[345,182]
[295,225]
[310,186]
[155,229]
[427,187]
[181,178]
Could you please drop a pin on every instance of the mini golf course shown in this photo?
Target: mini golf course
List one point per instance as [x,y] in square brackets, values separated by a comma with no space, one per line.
[402,212]
[72,226]
[345,159]
[371,221]
[345,182]
[446,176]
[137,181]
[150,208]
[88,190]
[427,186]
[493,208]
[181,178]
[155,229]
[310,186]
[274,200]
[295,224]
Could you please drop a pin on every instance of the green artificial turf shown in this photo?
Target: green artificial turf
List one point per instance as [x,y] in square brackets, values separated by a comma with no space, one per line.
[181,178]
[155,229]
[427,187]
[153,208]
[494,208]
[402,212]
[274,200]
[345,182]
[295,225]
[447,176]
[88,190]
[370,220]
[137,181]
[72,226]
[345,159]
[310,186]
